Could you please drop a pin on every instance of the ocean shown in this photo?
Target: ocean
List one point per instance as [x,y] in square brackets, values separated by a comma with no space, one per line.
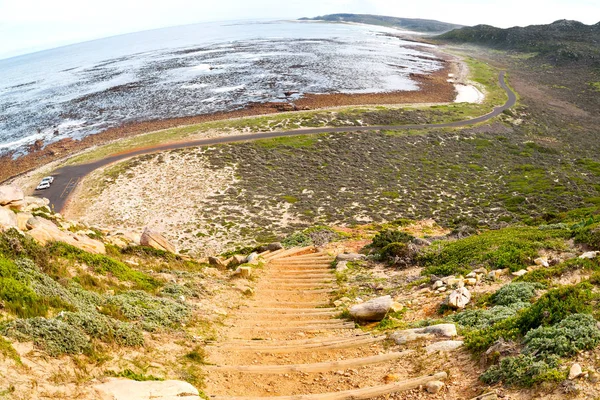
[85,88]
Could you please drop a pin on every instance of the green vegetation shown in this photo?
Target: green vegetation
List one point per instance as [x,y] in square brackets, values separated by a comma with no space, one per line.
[512,248]
[316,235]
[129,374]
[105,265]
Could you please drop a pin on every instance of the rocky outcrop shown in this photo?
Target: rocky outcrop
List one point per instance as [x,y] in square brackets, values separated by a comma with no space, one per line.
[216,262]
[372,310]
[125,389]
[428,332]
[8,219]
[155,240]
[11,196]
[243,272]
[44,231]
[446,345]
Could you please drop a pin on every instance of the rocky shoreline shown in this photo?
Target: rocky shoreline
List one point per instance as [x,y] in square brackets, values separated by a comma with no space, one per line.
[434,88]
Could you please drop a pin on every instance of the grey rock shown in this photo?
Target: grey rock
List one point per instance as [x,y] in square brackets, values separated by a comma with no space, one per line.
[446,345]
[372,310]
[8,219]
[11,195]
[216,263]
[434,387]
[446,330]
[156,240]
[589,255]
[274,246]
[341,266]
[350,257]
[575,371]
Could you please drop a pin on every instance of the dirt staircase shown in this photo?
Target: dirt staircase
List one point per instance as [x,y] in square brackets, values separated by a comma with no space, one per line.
[287,343]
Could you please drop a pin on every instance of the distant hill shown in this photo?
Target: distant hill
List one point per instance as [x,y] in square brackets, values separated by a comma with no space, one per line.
[562,40]
[411,24]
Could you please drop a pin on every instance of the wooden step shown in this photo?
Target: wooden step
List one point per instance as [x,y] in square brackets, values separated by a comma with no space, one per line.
[288,252]
[302,348]
[311,368]
[291,290]
[288,313]
[354,394]
[266,324]
[320,340]
[295,271]
[290,308]
[301,328]
[299,285]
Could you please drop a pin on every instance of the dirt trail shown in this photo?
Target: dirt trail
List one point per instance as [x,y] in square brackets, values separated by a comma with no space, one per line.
[286,342]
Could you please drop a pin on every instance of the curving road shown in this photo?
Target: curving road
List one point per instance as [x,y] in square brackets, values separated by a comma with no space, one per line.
[67,178]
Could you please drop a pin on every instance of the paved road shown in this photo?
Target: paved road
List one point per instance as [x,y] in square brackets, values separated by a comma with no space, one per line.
[67,178]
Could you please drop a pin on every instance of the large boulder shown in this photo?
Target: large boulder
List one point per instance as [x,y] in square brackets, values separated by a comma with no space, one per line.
[125,389]
[428,332]
[216,263]
[22,219]
[8,219]
[44,231]
[155,240]
[32,203]
[11,195]
[459,298]
[350,257]
[372,310]
[443,346]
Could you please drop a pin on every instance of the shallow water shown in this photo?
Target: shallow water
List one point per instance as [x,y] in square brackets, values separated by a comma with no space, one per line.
[85,88]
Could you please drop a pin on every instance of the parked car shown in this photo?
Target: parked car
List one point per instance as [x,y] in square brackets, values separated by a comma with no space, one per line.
[43,185]
[48,179]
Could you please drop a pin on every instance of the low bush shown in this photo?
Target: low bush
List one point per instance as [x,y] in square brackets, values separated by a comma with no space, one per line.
[134,376]
[523,370]
[589,236]
[482,318]
[389,236]
[54,336]
[395,249]
[575,333]
[555,305]
[153,312]
[514,293]
[105,265]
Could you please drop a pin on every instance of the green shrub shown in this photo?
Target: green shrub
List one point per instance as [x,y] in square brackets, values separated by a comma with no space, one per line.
[54,336]
[197,355]
[482,318]
[127,334]
[518,292]
[175,291]
[555,305]
[523,370]
[93,324]
[296,239]
[389,236]
[589,236]
[20,300]
[479,340]
[14,244]
[511,248]
[153,312]
[395,249]
[575,333]
[105,265]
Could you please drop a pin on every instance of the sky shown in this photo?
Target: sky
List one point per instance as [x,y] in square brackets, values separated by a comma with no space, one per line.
[32,25]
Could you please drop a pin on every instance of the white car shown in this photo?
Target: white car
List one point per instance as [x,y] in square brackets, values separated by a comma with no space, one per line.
[48,179]
[43,185]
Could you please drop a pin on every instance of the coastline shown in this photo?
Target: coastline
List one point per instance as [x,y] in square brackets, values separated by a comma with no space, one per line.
[433,88]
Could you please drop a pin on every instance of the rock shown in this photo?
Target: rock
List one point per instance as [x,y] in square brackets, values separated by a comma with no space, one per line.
[33,203]
[396,307]
[22,219]
[341,266]
[45,231]
[575,371]
[447,330]
[446,345]
[125,389]
[434,387]
[155,240]
[274,246]
[235,260]
[243,272]
[350,257]
[459,298]
[471,274]
[541,261]
[216,263]
[11,194]
[252,258]
[471,281]
[520,272]
[8,219]
[409,335]
[438,284]
[589,255]
[372,310]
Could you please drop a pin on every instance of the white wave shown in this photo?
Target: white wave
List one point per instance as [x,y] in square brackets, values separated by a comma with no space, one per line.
[228,89]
